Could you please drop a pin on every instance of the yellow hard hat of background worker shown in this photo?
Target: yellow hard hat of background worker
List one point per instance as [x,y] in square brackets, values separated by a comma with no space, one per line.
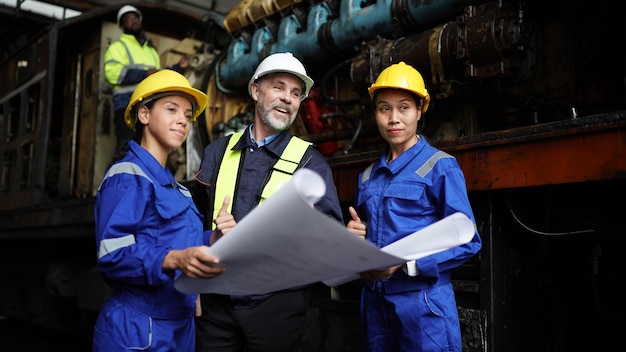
[402,76]
[163,83]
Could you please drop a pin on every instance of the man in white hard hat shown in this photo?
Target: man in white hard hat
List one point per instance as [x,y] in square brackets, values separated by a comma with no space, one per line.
[127,61]
[237,173]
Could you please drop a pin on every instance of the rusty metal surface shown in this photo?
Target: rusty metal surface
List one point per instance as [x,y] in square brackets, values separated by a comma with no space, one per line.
[591,148]
[579,150]
[70,218]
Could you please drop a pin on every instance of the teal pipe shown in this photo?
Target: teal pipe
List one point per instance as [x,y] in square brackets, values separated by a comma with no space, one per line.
[353,26]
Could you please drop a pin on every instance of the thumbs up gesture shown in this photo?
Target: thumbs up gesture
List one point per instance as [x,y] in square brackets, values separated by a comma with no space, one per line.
[224,221]
[355,225]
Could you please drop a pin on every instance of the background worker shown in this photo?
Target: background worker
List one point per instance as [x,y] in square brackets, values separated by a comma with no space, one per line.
[411,186]
[148,229]
[127,61]
[238,172]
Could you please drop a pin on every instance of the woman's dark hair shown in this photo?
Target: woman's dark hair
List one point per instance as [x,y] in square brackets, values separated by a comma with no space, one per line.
[123,146]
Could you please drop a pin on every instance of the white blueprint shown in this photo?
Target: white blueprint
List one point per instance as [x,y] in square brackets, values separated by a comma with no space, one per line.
[285,242]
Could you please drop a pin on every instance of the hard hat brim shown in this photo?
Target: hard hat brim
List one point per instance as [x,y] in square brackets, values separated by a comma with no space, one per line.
[306,80]
[200,98]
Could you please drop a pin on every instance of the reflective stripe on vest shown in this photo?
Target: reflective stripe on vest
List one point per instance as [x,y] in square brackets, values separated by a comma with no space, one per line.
[138,56]
[280,174]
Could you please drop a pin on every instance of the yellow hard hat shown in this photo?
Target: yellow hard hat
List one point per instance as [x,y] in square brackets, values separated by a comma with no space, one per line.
[162,83]
[402,76]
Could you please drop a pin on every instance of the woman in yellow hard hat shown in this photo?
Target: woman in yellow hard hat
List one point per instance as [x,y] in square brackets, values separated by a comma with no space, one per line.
[409,307]
[148,230]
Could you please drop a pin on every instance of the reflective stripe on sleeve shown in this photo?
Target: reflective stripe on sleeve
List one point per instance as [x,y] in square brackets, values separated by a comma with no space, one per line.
[430,163]
[109,245]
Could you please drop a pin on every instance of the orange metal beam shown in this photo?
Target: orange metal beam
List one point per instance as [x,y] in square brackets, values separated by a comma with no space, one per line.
[561,152]
[585,149]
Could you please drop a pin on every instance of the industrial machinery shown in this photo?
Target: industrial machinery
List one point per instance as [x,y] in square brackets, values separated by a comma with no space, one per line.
[529,96]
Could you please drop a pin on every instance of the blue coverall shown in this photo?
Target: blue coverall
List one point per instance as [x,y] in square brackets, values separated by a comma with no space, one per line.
[141,214]
[420,187]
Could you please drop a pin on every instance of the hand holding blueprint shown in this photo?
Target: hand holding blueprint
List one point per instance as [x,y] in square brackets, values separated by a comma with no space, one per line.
[285,243]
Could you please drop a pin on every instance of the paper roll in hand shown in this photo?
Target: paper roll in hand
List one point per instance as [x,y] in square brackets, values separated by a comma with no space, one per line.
[285,242]
[264,251]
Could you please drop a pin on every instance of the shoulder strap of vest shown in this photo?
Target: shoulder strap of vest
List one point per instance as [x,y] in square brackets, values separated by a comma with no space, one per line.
[226,176]
[290,160]
[128,53]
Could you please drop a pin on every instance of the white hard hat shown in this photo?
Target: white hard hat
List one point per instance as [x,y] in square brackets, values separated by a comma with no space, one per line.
[282,62]
[126,9]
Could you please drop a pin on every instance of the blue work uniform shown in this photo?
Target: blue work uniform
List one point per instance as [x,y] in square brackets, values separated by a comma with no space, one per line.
[141,214]
[420,187]
[267,322]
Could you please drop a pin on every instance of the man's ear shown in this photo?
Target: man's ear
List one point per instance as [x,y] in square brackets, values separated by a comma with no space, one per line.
[254,90]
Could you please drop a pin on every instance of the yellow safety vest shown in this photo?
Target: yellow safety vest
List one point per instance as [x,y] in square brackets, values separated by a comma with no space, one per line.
[280,174]
[125,54]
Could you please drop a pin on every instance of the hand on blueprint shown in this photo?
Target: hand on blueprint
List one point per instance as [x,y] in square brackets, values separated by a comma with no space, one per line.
[360,229]
[376,275]
[224,222]
[322,249]
[194,262]
[355,225]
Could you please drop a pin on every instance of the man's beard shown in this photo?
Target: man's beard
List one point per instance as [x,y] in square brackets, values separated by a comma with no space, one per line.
[280,125]
[134,32]
[265,113]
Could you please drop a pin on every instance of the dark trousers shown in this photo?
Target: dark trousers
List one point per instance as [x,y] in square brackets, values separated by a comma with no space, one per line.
[273,325]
